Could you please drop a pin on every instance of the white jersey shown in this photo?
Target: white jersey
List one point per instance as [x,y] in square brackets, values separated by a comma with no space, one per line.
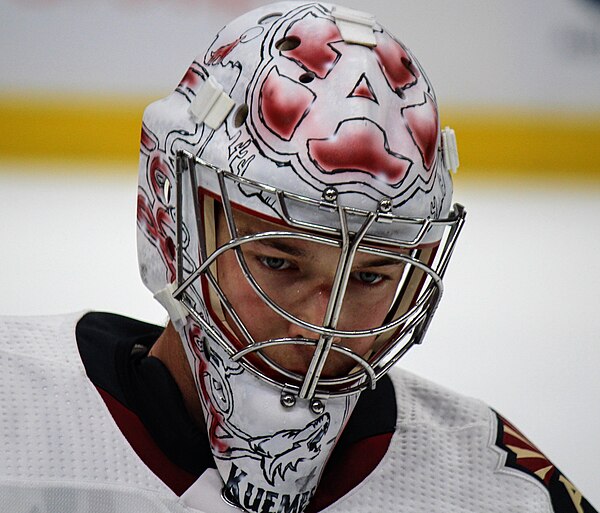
[61,451]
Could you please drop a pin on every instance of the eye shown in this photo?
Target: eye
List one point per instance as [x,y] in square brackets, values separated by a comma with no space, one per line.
[368,278]
[275,263]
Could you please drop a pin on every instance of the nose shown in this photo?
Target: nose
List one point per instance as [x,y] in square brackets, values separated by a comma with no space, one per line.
[311,309]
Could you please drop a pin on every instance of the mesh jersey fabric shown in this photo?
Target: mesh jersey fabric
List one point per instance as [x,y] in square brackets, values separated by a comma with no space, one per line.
[146,404]
[62,452]
[114,350]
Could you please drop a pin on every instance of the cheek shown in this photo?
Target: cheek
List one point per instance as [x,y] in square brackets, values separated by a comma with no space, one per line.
[258,318]
[364,311]
[339,365]
[361,346]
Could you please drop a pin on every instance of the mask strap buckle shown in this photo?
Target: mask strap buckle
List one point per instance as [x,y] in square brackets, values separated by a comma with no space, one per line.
[450,149]
[211,104]
[356,27]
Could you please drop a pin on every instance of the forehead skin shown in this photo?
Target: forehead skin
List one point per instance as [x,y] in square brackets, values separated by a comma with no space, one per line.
[247,224]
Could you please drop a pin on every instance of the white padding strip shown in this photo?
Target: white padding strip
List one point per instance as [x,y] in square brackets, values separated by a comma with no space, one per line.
[177,312]
[355,26]
[450,149]
[211,104]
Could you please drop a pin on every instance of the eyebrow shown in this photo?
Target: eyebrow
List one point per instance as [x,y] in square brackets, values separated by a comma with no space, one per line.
[283,247]
[277,244]
[299,252]
[382,262]
[289,249]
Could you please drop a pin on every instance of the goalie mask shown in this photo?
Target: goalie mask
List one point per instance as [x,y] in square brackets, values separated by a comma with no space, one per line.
[294,218]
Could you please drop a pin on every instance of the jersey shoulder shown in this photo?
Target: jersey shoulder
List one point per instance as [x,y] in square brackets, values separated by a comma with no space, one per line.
[59,443]
[36,336]
[450,453]
[523,456]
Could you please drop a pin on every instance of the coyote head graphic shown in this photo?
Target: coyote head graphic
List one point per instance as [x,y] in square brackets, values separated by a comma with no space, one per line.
[283,450]
[278,452]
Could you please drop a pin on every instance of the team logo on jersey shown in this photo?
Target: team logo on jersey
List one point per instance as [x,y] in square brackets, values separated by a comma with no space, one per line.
[522,455]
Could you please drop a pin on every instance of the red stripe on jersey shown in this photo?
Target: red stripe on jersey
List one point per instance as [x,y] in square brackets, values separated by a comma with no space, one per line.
[144,446]
[346,470]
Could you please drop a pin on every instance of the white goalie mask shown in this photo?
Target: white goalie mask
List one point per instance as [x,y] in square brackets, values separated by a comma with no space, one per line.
[295,219]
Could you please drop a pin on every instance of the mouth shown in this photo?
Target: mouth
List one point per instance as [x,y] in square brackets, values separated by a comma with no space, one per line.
[337,365]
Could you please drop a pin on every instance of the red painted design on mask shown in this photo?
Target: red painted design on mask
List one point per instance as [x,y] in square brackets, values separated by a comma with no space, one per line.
[395,64]
[159,173]
[422,121]
[153,225]
[190,79]
[283,104]
[358,145]
[215,417]
[223,51]
[153,216]
[314,52]
[148,140]
[193,76]
[363,89]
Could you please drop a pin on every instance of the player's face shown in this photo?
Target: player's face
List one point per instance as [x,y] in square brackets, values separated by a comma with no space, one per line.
[298,275]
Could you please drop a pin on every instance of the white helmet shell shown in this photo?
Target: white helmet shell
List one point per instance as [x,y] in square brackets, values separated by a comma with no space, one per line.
[285,104]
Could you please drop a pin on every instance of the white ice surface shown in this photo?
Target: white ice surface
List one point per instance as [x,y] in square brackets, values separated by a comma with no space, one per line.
[519,325]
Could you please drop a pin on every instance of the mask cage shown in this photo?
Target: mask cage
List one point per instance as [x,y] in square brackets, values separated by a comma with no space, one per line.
[407,320]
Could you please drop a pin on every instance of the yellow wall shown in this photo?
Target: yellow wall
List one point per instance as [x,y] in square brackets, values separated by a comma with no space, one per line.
[493,142]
